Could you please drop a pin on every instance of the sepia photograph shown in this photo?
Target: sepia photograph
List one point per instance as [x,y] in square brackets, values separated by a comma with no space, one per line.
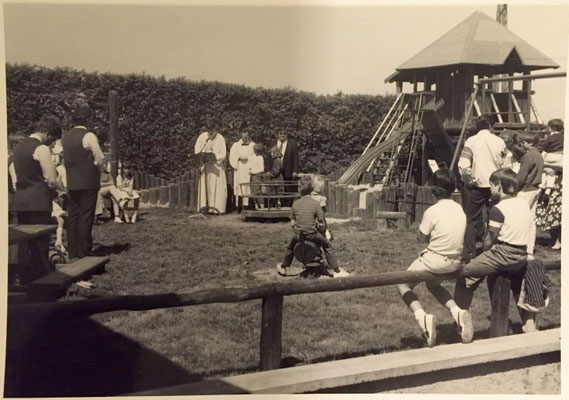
[282,198]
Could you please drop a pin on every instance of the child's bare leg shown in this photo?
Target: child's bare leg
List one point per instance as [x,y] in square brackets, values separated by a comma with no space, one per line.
[59,233]
[425,321]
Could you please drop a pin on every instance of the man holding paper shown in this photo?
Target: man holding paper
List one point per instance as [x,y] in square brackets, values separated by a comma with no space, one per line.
[212,172]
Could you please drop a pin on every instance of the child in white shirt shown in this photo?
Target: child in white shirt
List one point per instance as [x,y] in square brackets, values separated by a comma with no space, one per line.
[442,227]
[256,166]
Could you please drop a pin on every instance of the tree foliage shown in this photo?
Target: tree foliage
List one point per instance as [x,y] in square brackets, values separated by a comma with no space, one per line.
[159,119]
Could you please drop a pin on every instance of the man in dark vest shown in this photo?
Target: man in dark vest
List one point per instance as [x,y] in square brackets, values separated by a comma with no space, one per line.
[36,180]
[289,150]
[83,158]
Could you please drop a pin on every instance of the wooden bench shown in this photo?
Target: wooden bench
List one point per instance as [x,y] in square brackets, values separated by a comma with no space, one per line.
[54,285]
[375,368]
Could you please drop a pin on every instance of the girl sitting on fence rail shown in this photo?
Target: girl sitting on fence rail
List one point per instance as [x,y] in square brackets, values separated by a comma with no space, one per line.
[442,227]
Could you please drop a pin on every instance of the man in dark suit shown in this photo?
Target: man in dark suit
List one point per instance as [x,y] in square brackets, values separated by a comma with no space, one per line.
[289,150]
[83,158]
[36,181]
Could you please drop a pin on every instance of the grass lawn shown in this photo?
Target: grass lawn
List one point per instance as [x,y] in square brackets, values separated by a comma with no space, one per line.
[167,252]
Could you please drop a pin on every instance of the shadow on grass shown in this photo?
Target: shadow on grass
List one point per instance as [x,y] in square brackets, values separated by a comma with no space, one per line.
[106,250]
[76,356]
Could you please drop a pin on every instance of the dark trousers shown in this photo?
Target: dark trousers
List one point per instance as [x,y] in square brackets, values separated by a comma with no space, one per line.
[80,218]
[290,188]
[475,208]
[39,248]
[312,237]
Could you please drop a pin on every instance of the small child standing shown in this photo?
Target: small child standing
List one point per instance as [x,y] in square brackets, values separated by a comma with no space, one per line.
[505,245]
[529,179]
[276,176]
[442,227]
[552,153]
[256,166]
[305,216]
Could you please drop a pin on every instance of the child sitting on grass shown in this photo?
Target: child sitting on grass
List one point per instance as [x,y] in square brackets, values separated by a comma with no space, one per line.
[442,227]
[505,246]
[305,216]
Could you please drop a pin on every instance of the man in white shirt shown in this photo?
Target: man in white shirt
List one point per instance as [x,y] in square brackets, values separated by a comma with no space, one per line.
[482,154]
[82,157]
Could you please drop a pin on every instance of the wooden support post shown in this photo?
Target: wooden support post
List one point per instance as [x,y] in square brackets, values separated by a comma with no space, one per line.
[163,182]
[144,196]
[173,190]
[153,181]
[147,181]
[183,194]
[136,177]
[528,105]
[500,297]
[163,196]
[369,205]
[345,202]
[271,332]
[332,198]
[193,195]
[114,133]
[340,189]
[153,195]
[353,202]
[510,104]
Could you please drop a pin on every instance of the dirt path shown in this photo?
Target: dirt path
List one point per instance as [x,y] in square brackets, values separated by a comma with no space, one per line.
[541,379]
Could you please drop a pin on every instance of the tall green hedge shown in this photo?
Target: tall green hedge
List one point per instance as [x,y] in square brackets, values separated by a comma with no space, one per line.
[159,119]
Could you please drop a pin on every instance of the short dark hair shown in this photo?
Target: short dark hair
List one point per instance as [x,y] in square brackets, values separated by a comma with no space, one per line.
[305,185]
[443,183]
[525,136]
[80,114]
[483,122]
[506,178]
[556,124]
[49,125]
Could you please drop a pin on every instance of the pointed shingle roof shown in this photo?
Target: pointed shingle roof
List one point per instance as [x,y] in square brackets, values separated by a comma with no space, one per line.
[478,39]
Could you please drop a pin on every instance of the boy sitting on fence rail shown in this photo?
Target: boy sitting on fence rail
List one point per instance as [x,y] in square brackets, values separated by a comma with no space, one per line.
[305,216]
[442,227]
[505,246]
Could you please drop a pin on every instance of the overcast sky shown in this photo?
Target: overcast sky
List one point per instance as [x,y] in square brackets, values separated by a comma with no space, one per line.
[318,49]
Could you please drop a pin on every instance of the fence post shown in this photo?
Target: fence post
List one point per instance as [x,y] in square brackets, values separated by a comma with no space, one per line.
[500,295]
[271,332]
[332,198]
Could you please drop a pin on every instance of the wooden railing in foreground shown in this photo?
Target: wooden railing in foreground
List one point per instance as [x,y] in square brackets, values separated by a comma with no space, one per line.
[272,307]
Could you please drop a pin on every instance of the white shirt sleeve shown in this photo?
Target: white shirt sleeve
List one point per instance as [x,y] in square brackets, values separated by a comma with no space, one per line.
[90,142]
[12,172]
[219,149]
[233,156]
[427,222]
[42,154]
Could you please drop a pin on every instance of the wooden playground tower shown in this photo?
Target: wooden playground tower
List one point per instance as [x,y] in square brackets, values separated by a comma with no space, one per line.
[478,67]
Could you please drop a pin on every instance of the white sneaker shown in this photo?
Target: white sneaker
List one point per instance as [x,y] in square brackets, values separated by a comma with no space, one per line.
[133,219]
[429,329]
[341,274]
[118,220]
[465,325]
[281,270]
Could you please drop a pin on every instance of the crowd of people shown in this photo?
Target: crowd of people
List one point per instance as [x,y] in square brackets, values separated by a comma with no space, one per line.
[507,183]
[61,177]
[246,159]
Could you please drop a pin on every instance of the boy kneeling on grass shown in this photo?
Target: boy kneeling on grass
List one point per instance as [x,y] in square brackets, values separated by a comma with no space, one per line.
[442,227]
[505,246]
[306,217]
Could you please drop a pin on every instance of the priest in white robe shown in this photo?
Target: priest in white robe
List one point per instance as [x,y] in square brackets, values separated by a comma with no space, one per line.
[239,158]
[213,172]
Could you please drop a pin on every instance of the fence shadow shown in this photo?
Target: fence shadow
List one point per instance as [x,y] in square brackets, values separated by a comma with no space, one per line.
[76,357]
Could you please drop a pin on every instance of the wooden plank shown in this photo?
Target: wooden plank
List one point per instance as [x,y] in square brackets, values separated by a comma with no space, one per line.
[271,332]
[332,198]
[391,215]
[153,182]
[144,196]
[153,195]
[340,189]
[23,233]
[370,205]
[273,213]
[163,195]
[374,368]
[56,283]
[147,181]
[173,190]
[183,194]
[193,195]
[500,298]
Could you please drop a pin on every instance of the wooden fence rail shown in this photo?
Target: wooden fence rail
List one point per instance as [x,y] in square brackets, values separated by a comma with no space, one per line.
[272,306]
